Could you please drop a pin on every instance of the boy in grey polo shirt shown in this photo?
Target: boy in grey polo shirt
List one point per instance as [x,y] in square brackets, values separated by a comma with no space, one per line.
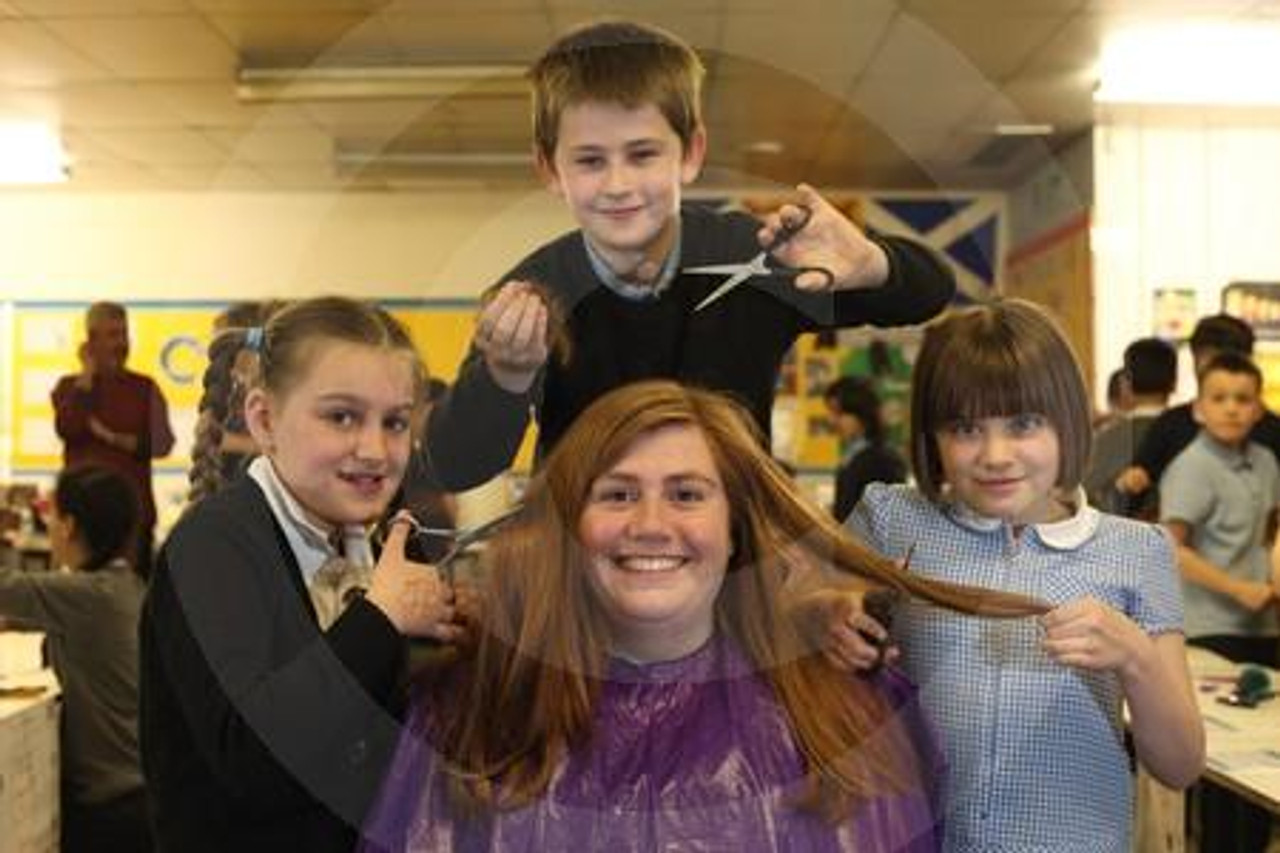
[1219,498]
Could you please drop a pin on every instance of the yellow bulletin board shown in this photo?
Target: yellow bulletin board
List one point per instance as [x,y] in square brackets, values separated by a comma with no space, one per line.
[168,343]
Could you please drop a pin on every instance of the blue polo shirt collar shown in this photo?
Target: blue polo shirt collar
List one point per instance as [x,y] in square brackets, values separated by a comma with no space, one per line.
[1234,458]
[1064,535]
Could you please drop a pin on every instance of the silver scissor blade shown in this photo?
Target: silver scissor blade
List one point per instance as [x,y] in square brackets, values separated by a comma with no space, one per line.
[716,269]
[729,284]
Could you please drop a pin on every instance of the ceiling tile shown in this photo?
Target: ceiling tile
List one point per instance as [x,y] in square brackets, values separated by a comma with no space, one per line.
[96,106]
[32,56]
[212,178]
[786,38]
[168,48]
[506,37]
[275,145]
[97,8]
[208,104]
[324,38]
[160,147]
[995,52]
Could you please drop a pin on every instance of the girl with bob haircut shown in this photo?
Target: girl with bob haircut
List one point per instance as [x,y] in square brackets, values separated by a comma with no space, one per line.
[635,682]
[1030,714]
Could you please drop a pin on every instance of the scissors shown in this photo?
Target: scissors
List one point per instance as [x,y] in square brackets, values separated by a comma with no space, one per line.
[760,265]
[462,539]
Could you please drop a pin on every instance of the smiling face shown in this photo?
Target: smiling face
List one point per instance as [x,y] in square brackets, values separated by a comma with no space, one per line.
[1003,467]
[656,530]
[620,170]
[1227,405]
[339,438]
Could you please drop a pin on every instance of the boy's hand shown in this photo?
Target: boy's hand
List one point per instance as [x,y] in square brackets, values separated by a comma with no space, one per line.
[1133,480]
[412,595]
[1088,634]
[512,335]
[1253,596]
[830,241]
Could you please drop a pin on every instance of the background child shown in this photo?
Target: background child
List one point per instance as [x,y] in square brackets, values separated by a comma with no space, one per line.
[1030,712]
[865,458]
[618,134]
[268,710]
[91,617]
[1218,498]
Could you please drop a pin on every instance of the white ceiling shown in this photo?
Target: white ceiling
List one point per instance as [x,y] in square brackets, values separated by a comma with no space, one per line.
[870,93]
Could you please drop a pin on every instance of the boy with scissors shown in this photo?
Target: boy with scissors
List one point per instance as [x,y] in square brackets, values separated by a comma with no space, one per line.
[618,133]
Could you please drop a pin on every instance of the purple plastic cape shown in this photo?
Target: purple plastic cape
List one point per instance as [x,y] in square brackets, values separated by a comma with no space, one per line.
[689,755]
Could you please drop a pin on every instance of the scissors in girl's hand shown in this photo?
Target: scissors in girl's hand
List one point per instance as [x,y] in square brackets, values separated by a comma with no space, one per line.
[462,539]
[761,264]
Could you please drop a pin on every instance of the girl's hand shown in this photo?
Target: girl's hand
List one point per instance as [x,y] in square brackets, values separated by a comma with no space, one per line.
[829,240]
[850,640]
[512,335]
[412,595]
[1088,634]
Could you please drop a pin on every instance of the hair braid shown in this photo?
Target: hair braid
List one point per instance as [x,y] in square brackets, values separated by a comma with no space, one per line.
[219,396]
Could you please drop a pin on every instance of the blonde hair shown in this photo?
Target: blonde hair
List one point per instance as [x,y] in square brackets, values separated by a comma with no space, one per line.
[537,665]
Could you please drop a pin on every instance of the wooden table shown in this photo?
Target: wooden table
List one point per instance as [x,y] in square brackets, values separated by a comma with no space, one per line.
[1242,747]
[29,710]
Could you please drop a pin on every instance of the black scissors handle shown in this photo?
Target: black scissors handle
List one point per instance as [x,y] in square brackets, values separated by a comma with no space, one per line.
[784,235]
[792,273]
[789,229]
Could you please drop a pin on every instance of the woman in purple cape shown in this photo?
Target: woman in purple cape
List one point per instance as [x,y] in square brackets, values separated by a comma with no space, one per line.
[636,681]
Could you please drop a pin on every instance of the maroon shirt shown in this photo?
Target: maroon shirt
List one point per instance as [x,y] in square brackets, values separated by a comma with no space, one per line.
[125,402]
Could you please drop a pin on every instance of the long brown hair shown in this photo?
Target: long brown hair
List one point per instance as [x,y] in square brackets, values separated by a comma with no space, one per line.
[525,698]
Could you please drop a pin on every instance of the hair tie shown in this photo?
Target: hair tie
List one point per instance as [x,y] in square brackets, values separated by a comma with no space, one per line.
[253,338]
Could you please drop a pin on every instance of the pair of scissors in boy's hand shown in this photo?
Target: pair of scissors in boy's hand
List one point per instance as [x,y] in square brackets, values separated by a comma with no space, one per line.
[762,264]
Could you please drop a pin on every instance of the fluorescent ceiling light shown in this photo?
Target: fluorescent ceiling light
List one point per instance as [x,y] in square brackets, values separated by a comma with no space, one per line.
[434,159]
[320,83]
[1206,63]
[31,153]
[1023,129]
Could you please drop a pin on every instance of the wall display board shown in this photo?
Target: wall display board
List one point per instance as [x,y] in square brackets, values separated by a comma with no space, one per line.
[168,342]
[1258,304]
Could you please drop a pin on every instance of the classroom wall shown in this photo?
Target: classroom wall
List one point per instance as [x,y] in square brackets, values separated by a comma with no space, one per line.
[250,245]
[1186,199]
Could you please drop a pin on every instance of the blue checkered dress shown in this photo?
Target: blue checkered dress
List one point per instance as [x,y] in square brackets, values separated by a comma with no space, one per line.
[1034,748]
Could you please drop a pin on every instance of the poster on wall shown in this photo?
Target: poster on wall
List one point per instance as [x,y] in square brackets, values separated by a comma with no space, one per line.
[1258,304]
[1173,313]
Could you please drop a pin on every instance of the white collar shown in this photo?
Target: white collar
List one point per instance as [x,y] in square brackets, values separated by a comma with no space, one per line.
[625,289]
[310,543]
[1064,535]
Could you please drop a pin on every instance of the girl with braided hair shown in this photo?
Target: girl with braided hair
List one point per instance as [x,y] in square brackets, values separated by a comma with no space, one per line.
[223,447]
[269,700]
